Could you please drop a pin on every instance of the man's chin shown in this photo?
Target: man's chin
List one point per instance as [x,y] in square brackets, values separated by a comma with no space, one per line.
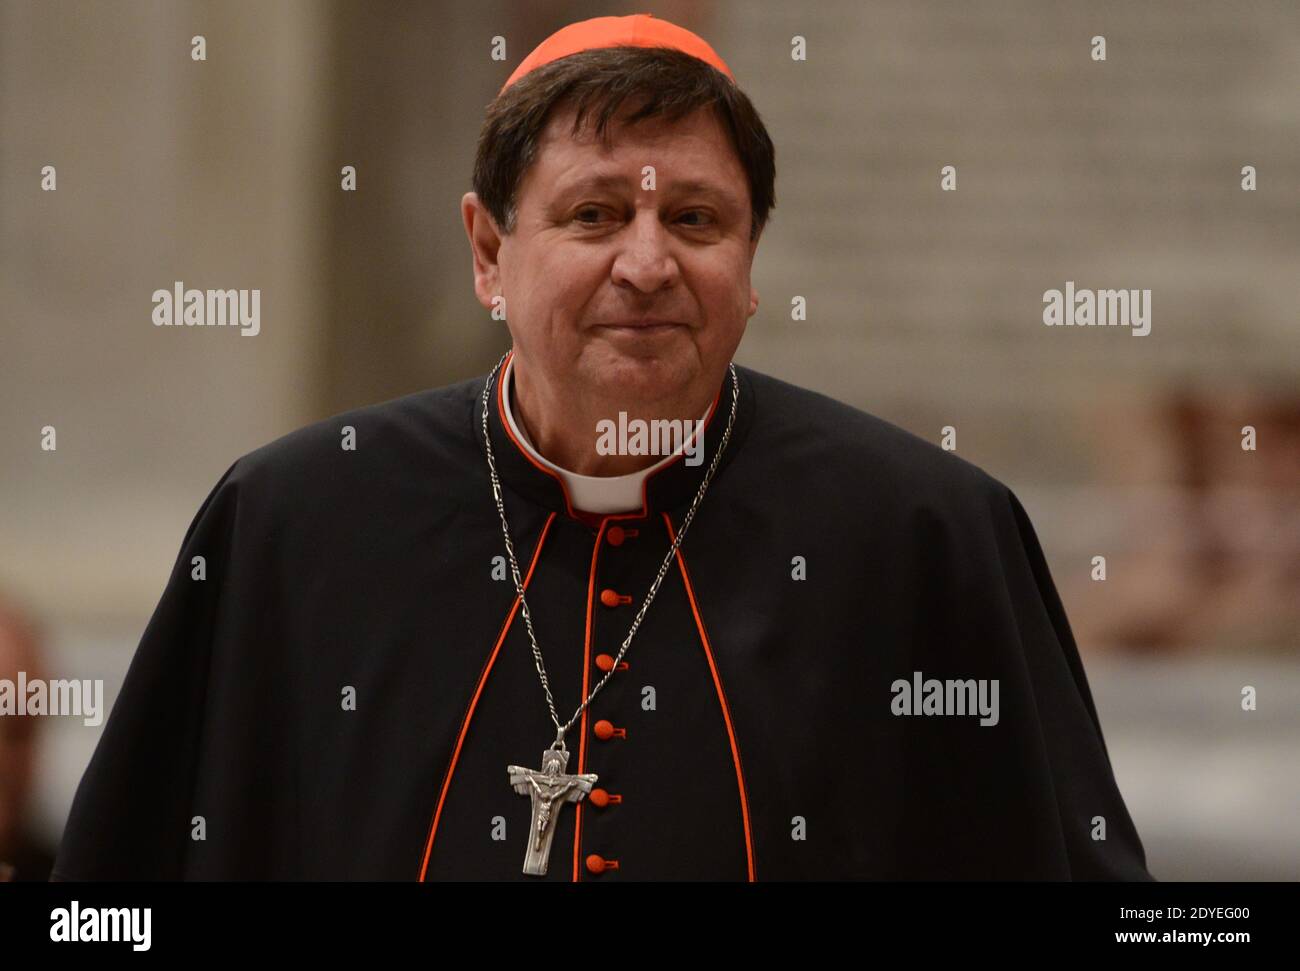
[639,371]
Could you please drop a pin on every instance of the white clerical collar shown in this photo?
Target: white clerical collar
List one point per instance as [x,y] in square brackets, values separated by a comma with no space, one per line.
[589,493]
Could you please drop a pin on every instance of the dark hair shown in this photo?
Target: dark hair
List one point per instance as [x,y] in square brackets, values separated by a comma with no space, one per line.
[667,82]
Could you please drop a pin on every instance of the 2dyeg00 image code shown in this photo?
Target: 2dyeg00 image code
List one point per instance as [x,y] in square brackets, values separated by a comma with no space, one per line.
[1181,913]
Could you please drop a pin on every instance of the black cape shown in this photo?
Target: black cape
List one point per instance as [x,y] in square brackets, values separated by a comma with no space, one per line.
[756,733]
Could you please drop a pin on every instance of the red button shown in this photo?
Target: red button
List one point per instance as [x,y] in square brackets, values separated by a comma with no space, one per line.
[609,598]
[617,535]
[605,730]
[598,864]
[600,798]
[606,661]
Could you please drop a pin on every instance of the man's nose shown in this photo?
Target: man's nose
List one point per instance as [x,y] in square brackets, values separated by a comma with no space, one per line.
[645,259]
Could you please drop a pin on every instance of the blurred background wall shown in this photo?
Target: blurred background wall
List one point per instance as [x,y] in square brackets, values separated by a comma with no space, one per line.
[924,307]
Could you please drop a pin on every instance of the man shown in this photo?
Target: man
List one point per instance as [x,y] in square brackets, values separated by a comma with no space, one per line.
[475,634]
[24,856]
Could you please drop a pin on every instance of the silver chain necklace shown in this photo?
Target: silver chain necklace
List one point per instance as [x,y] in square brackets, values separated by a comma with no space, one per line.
[550,787]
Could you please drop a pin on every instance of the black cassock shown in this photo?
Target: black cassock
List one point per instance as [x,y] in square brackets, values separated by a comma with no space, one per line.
[754,733]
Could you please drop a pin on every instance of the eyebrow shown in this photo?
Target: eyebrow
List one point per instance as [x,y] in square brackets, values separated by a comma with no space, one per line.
[622,181]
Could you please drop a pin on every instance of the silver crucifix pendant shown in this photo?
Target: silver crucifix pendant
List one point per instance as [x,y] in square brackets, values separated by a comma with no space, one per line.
[550,789]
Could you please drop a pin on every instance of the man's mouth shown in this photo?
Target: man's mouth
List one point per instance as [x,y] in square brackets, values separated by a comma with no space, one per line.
[646,325]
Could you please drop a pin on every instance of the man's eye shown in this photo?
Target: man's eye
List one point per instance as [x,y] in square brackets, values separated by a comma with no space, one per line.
[594,212]
[703,217]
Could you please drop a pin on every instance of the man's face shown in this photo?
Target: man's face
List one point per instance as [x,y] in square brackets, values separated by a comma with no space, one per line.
[597,252]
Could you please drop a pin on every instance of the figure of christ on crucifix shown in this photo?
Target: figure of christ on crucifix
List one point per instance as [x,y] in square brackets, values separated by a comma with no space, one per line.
[549,788]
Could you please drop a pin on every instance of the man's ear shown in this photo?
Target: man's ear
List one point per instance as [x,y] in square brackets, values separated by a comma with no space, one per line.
[753,293]
[484,244]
